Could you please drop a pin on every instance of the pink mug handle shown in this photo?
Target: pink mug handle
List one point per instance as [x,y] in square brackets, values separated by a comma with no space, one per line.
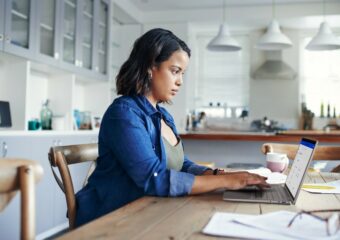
[286,163]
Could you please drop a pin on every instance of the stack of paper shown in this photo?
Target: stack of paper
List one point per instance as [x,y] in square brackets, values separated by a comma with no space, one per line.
[330,187]
[268,226]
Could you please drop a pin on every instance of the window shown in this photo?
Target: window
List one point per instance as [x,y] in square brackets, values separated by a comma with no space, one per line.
[223,78]
[320,75]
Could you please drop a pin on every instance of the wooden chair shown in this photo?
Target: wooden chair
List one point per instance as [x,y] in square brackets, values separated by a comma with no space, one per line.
[20,174]
[321,152]
[61,157]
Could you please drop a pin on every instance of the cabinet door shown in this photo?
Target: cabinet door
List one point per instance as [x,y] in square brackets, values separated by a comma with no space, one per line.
[48,31]
[19,23]
[102,36]
[68,31]
[86,34]
[2,23]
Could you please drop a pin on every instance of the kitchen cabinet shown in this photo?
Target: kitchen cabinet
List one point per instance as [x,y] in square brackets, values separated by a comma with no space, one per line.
[18,27]
[48,26]
[103,37]
[68,62]
[72,35]
[69,31]
[85,38]
[50,200]
[66,92]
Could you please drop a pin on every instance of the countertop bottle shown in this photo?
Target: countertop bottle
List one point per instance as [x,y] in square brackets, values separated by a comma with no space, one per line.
[328,110]
[46,116]
[322,110]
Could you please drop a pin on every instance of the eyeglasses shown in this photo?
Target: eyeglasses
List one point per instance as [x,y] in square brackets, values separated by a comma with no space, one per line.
[332,222]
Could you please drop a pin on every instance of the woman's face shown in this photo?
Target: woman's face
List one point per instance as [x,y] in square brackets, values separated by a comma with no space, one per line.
[168,77]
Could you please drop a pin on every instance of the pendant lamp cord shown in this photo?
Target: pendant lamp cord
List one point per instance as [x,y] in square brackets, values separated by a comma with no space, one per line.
[324,10]
[273,9]
[224,9]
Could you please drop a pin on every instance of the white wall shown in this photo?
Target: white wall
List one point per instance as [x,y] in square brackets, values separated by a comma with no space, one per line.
[13,76]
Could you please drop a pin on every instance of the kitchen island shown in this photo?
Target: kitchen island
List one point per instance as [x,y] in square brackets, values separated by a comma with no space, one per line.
[283,136]
[223,148]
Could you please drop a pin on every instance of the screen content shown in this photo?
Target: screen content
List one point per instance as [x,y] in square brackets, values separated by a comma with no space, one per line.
[299,166]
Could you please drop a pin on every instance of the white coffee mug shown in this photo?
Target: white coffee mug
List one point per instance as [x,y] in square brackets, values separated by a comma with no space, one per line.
[277,162]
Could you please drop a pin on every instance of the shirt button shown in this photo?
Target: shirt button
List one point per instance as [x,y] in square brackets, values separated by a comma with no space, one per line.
[155,174]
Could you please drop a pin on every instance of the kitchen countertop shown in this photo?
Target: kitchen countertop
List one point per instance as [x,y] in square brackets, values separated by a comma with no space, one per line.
[284,136]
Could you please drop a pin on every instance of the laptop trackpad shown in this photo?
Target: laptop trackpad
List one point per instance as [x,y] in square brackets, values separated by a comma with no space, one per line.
[248,193]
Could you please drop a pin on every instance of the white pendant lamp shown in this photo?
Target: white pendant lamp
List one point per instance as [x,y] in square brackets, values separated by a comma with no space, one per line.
[223,41]
[325,39]
[274,39]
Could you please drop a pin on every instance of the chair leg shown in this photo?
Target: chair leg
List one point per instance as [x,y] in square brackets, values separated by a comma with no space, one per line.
[26,176]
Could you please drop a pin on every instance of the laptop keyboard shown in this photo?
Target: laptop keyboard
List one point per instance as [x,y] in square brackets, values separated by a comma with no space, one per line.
[276,193]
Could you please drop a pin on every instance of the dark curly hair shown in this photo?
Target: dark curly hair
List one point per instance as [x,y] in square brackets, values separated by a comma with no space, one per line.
[151,49]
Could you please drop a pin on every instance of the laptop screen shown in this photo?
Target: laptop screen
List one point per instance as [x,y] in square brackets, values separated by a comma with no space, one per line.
[300,165]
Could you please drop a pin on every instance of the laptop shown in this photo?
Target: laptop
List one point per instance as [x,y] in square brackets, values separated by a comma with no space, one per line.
[280,193]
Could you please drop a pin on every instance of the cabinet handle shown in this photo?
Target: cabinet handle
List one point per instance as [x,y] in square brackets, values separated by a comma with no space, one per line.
[1,37]
[4,149]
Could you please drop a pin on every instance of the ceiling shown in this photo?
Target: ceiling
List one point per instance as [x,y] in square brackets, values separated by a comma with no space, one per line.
[159,5]
[295,15]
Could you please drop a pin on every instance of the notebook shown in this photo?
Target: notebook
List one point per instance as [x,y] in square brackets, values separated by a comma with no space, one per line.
[280,193]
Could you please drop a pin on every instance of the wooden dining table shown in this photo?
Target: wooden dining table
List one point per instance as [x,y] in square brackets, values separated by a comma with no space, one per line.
[185,217]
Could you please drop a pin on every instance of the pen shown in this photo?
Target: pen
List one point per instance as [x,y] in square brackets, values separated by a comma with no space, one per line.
[317,187]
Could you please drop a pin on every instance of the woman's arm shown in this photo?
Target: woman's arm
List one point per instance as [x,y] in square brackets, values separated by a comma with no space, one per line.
[233,181]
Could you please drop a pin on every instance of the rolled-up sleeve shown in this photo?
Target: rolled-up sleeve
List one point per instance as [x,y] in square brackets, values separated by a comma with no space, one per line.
[180,182]
[131,144]
[193,168]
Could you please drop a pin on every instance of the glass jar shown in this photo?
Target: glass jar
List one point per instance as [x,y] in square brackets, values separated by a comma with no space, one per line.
[85,122]
[46,116]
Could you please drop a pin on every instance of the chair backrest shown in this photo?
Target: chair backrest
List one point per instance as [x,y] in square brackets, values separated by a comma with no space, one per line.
[61,157]
[20,174]
[321,152]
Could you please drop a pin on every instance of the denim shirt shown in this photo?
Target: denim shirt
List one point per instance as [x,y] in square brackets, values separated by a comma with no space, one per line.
[132,160]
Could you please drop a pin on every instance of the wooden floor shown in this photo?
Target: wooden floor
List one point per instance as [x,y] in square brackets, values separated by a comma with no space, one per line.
[184,217]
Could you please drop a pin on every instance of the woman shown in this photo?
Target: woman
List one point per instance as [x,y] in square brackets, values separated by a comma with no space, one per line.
[140,152]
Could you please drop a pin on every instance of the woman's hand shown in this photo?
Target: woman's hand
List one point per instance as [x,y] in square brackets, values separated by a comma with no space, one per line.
[229,180]
[239,180]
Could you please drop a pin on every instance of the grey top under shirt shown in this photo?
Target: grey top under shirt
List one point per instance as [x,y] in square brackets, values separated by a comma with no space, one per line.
[174,155]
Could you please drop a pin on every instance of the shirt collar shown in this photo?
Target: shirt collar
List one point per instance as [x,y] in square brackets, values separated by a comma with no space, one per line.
[147,107]
[144,104]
